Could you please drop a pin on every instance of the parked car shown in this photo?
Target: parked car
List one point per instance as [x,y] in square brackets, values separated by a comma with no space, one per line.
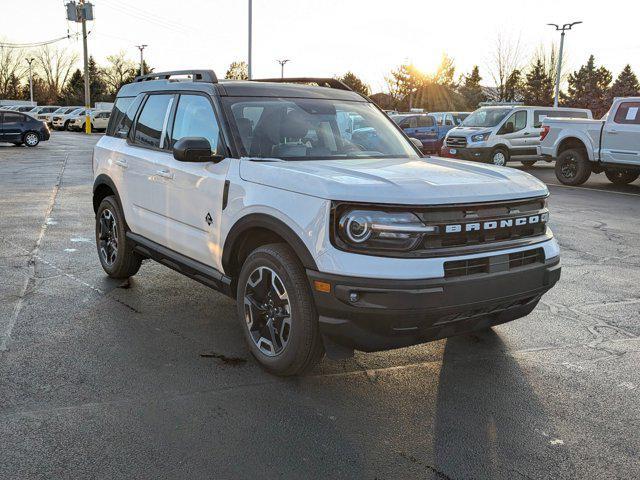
[19,128]
[450,119]
[252,188]
[498,133]
[610,145]
[423,127]
[46,113]
[24,108]
[99,121]
[61,121]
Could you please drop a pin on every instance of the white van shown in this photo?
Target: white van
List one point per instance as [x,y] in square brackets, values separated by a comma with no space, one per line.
[496,134]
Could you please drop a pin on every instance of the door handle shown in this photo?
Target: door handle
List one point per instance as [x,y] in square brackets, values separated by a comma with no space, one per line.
[527,133]
[612,131]
[122,163]
[164,173]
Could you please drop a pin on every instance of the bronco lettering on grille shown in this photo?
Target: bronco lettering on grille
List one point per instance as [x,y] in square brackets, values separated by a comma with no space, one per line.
[494,224]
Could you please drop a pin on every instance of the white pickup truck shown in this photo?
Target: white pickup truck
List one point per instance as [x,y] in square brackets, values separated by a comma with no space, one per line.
[610,145]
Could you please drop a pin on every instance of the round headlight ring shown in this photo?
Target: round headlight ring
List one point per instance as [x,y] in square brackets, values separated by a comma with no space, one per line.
[357,229]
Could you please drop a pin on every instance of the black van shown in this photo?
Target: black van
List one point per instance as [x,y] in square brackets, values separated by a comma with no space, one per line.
[18,128]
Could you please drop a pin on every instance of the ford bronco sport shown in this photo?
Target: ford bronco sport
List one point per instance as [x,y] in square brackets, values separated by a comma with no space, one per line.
[329,239]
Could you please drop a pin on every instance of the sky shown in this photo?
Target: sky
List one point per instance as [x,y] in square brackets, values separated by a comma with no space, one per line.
[330,37]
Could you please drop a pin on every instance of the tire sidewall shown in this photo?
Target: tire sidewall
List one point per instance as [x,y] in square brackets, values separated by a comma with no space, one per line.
[495,152]
[24,139]
[628,176]
[583,169]
[301,324]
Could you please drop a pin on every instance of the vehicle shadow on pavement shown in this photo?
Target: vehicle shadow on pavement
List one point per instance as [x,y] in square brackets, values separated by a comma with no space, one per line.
[489,422]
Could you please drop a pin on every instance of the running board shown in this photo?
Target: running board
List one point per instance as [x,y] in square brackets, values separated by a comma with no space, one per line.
[193,269]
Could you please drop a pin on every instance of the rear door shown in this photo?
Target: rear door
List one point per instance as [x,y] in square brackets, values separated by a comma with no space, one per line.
[189,194]
[621,135]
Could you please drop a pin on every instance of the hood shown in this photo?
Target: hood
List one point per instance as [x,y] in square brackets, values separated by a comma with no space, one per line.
[427,181]
[469,130]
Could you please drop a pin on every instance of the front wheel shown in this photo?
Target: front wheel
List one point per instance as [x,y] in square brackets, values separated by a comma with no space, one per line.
[277,312]
[572,168]
[31,139]
[622,176]
[116,252]
[500,157]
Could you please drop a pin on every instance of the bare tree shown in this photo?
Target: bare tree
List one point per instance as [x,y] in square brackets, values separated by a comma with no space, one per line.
[549,59]
[13,69]
[119,71]
[506,58]
[54,66]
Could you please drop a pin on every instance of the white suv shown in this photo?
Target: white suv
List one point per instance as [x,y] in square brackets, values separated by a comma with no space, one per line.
[329,240]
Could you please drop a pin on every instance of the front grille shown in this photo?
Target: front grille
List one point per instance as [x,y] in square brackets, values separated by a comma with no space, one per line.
[456,142]
[493,264]
[57,118]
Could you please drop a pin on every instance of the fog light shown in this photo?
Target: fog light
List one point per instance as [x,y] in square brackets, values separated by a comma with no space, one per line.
[354,297]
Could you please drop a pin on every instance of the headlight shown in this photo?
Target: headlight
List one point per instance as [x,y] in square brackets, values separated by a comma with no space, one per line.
[481,137]
[359,229]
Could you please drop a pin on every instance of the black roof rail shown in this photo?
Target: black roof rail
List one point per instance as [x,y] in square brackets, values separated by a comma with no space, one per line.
[321,82]
[207,76]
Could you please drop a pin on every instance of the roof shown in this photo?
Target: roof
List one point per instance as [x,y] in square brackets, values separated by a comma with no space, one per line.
[240,88]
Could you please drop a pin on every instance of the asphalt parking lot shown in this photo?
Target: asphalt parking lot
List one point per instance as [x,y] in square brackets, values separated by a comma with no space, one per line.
[151,379]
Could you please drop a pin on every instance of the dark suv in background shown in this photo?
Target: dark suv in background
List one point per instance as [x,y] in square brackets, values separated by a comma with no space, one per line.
[18,128]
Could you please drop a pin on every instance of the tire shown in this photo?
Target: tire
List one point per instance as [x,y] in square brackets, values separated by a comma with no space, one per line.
[499,157]
[31,139]
[572,168]
[66,126]
[528,163]
[622,176]
[17,144]
[110,226]
[273,291]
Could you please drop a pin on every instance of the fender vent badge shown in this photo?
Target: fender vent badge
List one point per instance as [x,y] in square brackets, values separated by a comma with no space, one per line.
[208,219]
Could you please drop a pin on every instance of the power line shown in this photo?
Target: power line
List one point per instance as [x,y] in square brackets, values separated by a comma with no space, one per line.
[36,44]
[146,16]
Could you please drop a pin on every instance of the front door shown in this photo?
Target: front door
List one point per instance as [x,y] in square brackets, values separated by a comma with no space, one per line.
[12,124]
[621,135]
[514,132]
[190,199]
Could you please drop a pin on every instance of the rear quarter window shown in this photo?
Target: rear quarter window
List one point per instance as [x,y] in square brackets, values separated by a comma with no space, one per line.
[119,110]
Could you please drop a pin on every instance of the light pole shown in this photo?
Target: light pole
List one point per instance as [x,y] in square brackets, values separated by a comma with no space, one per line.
[566,26]
[282,63]
[141,48]
[250,26]
[30,61]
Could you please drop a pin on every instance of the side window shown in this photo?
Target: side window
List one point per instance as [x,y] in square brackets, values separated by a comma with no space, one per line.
[449,120]
[149,127]
[628,113]
[195,118]
[519,121]
[13,118]
[121,108]
[426,121]
[412,122]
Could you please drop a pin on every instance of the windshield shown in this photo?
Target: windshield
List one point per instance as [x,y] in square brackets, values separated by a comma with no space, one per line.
[314,129]
[486,117]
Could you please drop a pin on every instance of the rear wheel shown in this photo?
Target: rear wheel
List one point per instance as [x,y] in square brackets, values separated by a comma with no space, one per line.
[572,167]
[277,312]
[116,252]
[66,125]
[528,163]
[500,157]
[622,176]
[31,139]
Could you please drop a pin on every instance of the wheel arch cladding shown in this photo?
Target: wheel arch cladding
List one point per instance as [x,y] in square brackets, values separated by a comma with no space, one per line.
[103,186]
[255,230]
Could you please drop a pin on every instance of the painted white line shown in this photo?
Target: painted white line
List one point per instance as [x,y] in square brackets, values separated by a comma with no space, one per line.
[587,189]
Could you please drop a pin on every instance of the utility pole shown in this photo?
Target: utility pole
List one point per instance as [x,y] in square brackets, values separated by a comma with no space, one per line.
[250,26]
[141,48]
[282,63]
[566,26]
[30,61]
[87,91]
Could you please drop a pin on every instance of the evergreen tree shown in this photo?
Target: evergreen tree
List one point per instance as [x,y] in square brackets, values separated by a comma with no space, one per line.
[538,86]
[589,88]
[357,85]
[470,89]
[513,87]
[404,83]
[626,85]
[73,91]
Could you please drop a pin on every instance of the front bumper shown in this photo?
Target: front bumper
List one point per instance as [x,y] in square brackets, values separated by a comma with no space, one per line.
[397,313]
[482,154]
[431,145]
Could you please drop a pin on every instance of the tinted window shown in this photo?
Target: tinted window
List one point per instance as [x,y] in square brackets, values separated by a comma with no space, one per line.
[119,127]
[119,109]
[540,115]
[628,113]
[13,118]
[195,118]
[519,120]
[148,129]
[426,121]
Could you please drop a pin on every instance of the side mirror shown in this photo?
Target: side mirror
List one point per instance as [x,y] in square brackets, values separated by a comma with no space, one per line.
[194,149]
[417,143]
[508,127]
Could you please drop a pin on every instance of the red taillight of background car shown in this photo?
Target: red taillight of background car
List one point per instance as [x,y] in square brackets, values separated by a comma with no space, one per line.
[544,132]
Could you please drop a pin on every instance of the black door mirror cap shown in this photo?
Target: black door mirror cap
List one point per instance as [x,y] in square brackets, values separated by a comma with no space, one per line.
[194,149]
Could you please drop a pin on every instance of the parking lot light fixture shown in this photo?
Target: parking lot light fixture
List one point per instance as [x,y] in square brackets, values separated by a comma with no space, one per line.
[30,61]
[282,64]
[561,29]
